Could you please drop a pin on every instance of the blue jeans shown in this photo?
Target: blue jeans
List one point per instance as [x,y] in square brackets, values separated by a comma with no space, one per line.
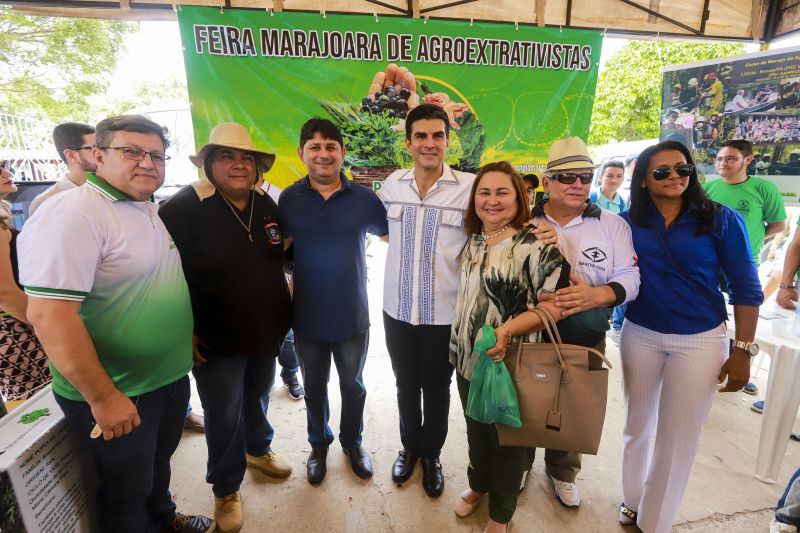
[234,392]
[287,358]
[788,509]
[133,470]
[618,316]
[315,363]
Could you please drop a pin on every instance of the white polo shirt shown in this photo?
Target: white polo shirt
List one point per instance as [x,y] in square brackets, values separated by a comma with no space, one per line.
[425,238]
[599,248]
[97,246]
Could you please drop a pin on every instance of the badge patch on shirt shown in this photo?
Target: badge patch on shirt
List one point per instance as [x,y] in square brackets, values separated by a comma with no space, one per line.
[594,254]
[273,233]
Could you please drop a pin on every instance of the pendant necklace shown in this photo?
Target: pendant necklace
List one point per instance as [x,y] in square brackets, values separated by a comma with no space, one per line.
[250,218]
[494,234]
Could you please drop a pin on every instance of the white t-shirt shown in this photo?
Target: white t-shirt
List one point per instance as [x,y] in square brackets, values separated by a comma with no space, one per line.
[273,191]
[64,184]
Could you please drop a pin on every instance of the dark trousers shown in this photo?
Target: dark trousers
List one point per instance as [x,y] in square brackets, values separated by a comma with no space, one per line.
[287,357]
[492,468]
[349,357]
[234,391]
[133,470]
[422,371]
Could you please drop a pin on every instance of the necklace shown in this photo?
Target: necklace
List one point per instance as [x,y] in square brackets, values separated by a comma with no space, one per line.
[494,234]
[239,220]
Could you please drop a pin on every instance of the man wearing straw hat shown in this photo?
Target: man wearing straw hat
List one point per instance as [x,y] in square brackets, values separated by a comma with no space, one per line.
[598,246]
[226,230]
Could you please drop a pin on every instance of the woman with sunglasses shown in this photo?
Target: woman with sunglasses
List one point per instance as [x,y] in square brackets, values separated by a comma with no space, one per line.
[674,347]
[23,363]
[597,244]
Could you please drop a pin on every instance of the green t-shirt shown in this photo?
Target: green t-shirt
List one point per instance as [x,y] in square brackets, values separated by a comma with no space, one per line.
[758,201]
[96,246]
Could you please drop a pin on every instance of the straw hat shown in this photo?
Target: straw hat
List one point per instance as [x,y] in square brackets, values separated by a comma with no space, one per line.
[567,154]
[232,135]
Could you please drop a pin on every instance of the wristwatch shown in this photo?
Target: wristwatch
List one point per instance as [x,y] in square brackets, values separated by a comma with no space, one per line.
[750,348]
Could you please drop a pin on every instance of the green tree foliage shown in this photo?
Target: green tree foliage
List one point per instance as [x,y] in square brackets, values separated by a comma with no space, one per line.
[52,66]
[143,95]
[627,102]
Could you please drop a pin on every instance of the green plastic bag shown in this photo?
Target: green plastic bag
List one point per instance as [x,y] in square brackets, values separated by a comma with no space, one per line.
[492,397]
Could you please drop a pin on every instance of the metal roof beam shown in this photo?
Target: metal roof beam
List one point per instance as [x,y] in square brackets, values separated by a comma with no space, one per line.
[663,17]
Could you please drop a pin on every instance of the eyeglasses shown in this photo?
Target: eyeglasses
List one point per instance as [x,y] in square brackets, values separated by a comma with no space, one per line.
[663,173]
[79,148]
[136,154]
[729,159]
[568,178]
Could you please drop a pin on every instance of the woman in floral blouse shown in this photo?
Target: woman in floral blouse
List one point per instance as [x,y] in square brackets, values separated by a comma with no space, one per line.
[504,270]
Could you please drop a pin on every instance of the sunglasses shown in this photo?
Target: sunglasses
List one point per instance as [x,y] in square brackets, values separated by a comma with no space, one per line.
[568,178]
[683,171]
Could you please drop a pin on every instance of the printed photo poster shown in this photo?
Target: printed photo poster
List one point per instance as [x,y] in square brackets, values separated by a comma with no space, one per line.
[754,97]
[508,92]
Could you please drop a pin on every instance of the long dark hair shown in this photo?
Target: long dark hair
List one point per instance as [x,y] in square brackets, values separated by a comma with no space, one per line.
[693,195]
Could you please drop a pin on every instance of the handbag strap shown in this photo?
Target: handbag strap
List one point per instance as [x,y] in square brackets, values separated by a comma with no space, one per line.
[549,325]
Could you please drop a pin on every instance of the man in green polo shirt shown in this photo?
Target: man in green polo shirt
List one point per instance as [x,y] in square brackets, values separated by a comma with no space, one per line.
[109,301]
[757,200]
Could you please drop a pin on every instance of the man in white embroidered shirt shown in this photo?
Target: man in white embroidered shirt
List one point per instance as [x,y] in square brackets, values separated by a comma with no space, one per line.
[425,207]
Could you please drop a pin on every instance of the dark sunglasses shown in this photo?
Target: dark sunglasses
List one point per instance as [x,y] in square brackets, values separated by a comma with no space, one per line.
[683,171]
[568,178]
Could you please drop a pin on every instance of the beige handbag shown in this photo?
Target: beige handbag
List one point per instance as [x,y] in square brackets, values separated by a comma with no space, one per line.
[562,400]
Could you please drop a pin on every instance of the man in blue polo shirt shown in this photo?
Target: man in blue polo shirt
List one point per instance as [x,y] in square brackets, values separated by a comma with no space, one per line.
[327,217]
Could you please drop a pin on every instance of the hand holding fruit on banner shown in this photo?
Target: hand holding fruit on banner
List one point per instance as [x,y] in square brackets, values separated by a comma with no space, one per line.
[393,92]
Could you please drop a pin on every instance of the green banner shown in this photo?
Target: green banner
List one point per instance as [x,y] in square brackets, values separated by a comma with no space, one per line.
[509,92]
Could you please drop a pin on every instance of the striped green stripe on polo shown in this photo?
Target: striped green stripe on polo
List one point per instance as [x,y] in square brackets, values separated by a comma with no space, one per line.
[105,189]
[60,294]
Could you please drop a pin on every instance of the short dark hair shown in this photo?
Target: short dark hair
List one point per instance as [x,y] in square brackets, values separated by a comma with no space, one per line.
[70,135]
[611,164]
[745,147]
[132,123]
[427,112]
[472,224]
[324,127]
[532,178]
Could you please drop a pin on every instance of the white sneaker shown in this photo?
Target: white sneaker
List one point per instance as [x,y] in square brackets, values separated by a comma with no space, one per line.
[566,492]
[780,527]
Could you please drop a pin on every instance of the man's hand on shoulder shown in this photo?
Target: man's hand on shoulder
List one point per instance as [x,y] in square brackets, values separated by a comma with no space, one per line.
[116,415]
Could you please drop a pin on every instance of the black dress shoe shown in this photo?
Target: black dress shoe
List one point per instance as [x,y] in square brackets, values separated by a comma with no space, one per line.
[403,466]
[315,466]
[183,523]
[359,461]
[432,477]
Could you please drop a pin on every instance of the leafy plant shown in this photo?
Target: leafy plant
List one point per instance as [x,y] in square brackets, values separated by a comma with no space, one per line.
[370,139]
[472,138]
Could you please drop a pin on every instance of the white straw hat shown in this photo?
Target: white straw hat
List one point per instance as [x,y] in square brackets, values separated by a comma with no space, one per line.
[570,153]
[232,135]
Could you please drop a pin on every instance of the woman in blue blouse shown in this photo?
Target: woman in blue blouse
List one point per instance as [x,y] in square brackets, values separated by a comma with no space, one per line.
[674,347]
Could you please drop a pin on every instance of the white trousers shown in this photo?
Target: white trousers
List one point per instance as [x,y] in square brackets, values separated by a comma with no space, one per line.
[669,383]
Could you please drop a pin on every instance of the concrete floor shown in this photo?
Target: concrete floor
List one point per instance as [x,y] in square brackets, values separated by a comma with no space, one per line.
[722,494]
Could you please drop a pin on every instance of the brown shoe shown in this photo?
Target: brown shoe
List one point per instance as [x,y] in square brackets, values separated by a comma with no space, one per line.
[228,513]
[195,422]
[270,464]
